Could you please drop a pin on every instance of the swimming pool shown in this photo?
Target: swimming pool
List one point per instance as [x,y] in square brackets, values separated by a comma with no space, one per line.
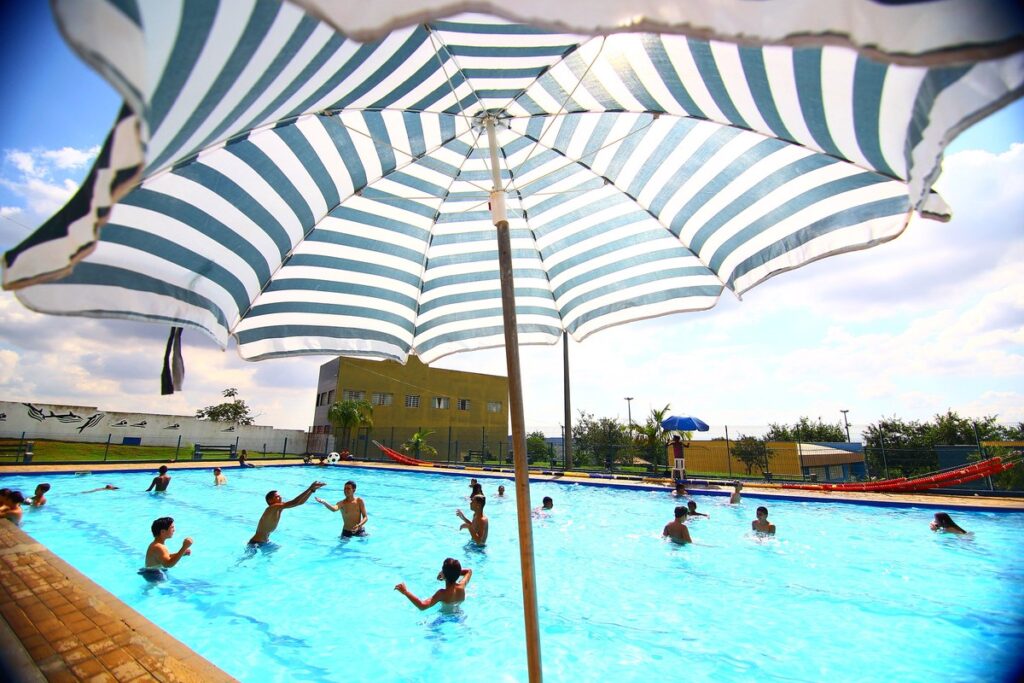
[845,592]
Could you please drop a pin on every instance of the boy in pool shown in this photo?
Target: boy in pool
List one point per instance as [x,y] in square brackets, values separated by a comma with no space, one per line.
[945,524]
[10,505]
[680,490]
[353,512]
[737,486]
[161,481]
[454,592]
[272,515]
[39,499]
[501,491]
[761,525]
[479,525]
[691,510]
[218,478]
[158,557]
[676,529]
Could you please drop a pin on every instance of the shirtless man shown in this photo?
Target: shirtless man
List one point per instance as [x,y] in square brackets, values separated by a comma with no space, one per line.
[454,592]
[479,525]
[10,505]
[160,481]
[501,491]
[353,512]
[39,499]
[761,524]
[676,529]
[218,478]
[272,515]
[158,557]
[736,496]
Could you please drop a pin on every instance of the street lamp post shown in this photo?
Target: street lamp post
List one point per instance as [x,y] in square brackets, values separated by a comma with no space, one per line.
[629,412]
[847,423]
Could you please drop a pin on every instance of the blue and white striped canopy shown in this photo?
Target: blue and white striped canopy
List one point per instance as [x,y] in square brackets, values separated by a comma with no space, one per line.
[272,179]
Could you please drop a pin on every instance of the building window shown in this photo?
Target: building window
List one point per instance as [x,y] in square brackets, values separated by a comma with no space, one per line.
[441,402]
[330,397]
[382,399]
[494,406]
[412,401]
[463,404]
[351,395]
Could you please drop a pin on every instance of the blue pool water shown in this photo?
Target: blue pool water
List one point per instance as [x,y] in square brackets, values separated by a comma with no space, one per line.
[843,593]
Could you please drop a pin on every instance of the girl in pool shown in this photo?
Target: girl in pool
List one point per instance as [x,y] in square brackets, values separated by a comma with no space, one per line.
[453,593]
[944,523]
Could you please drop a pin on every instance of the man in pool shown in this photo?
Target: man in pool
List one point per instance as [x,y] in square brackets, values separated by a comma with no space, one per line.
[761,525]
[479,525]
[218,477]
[10,505]
[39,499]
[108,487]
[691,510]
[353,512]
[736,496]
[454,592]
[676,529]
[501,491]
[272,515]
[944,523]
[161,481]
[158,557]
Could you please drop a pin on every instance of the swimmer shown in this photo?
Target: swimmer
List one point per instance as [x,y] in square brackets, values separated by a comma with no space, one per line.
[218,478]
[761,525]
[39,499]
[676,529]
[477,490]
[680,490]
[501,491]
[547,503]
[161,481]
[454,592]
[945,524]
[479,525]
[10,505]
[353,512]
[737,486]
[272,515]
[108,487]
[158,557]
[691,510]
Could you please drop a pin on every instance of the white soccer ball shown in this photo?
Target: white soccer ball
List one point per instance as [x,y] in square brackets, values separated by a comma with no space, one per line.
[333,457]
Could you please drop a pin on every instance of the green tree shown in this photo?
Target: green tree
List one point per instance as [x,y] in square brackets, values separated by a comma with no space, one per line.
[234,410]
[417,444]
[650,438]
[346,415]
[536,446]
[752,452]
[599,442]
[806,430]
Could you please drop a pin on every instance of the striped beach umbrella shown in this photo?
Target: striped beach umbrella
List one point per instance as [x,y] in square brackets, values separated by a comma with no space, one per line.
[386,178]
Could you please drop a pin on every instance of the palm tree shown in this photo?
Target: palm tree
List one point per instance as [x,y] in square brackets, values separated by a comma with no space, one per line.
[344,415]
[652,436]
[417,444]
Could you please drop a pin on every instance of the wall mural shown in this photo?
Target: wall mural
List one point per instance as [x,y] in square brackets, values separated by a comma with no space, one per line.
[65,418]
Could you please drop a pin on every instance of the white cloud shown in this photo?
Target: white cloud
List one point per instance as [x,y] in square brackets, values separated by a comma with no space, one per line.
[69,157]
[10,210]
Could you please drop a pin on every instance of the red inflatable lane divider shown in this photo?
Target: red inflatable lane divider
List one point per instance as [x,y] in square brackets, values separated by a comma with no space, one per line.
[398,457]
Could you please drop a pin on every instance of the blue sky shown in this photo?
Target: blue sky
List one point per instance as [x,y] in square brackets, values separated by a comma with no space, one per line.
[931,321]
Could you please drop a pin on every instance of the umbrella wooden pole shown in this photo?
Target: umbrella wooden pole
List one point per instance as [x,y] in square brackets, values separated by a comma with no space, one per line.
[515,400]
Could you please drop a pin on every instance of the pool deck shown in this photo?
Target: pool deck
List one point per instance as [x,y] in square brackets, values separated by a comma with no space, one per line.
[58,625]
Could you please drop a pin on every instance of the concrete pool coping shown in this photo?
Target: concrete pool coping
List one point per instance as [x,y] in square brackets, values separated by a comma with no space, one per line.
[59,625]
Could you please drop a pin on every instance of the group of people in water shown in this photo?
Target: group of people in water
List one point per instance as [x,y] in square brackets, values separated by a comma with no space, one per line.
[159,557]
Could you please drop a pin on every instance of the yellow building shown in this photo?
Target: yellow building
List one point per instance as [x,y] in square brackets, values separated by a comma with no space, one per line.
[467,411]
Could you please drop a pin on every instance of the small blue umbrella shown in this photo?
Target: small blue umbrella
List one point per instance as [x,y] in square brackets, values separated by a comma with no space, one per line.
[684,423]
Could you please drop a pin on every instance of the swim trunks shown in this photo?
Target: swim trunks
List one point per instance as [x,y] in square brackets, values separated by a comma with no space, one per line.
[345,533]
[153,574]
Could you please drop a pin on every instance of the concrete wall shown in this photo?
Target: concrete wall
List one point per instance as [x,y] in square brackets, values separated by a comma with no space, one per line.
[88,423]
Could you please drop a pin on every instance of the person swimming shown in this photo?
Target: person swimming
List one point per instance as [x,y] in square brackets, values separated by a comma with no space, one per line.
[736,496]
[691,510]
[158,557]
[761,525]
[452,595]
[945,524]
